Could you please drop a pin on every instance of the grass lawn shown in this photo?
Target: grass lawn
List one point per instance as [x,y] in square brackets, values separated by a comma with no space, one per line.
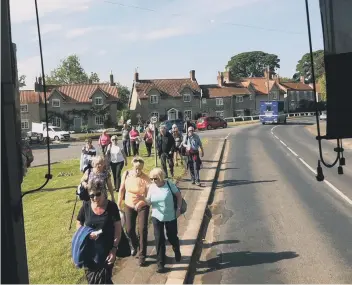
[47,216]
[241,123]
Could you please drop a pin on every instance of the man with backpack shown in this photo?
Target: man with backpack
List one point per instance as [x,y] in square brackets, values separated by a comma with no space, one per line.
[166,148]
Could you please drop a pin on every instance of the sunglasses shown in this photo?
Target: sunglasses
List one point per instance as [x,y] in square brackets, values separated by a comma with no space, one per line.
[154,178]
[138,160]
[98,194]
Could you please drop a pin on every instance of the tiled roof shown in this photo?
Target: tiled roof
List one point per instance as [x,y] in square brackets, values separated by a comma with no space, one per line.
[259,83]
[295,86]
[74,93]
[31,97]
[215,91]
[171,87]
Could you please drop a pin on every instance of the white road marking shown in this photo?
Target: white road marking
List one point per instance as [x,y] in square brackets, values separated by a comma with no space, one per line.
[295,154]
[227,136]
[337,191]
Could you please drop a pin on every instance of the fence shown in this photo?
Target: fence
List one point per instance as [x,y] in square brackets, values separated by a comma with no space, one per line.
[256,118]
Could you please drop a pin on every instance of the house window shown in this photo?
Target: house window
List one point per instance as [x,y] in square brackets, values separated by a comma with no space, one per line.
[275,95]
[99,120]
[98,101]
[155,114]
[204,100]
[186,97]
[219,101]
[239,99]
[251,97]
[24,124]
[153,99]
[220,114]
[57,122]
[24,108]
[55,103]
[188,114]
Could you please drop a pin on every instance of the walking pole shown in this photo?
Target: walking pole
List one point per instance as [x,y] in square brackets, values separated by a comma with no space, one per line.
[73,212]
[155,154]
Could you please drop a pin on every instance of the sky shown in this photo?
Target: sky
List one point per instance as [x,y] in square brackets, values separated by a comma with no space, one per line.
[160,38]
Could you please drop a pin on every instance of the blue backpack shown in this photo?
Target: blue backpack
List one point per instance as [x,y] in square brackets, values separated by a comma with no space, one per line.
[81,250]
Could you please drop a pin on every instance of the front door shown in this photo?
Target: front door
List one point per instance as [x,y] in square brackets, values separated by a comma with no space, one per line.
[172,114]
[77,123]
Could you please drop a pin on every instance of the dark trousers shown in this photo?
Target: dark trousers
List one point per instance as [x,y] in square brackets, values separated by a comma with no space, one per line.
[149,145]
[131,217]
[169,158]
[103,148]
[127,147]
[99,275]
[116,169]
[193,169]
[135,148]
[160,243]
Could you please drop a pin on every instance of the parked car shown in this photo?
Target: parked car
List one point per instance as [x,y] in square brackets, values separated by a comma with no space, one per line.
[168,124]
[323,115]
[211,123]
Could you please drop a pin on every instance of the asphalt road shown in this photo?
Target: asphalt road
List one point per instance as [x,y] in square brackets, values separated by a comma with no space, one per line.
[272,221]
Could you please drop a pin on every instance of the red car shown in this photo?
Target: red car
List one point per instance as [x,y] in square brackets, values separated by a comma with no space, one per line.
[210,123]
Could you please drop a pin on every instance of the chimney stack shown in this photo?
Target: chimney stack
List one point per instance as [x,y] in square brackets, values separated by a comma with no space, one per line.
[227,76]
[192,75]
[301,78]
[40,81]
[90,81]
[112,83]
[136,76]
[220,79]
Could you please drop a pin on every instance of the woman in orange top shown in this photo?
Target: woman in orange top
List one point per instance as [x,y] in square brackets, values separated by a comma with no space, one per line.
[134,184]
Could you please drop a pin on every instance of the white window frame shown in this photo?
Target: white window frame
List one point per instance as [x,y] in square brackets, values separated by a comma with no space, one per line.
[185,112]
[97,120]
[250,96]
[98,98]
[156,101]
[219,112]
[219,101]
[204,100]
[155,114]
[186,95]
[24,105]
[239,99]
[26,124]
[55,121]
[56,100]
[275,95]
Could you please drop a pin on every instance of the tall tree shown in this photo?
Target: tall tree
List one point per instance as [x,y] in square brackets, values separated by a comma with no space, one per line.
[124,94]
[22,81]
[303,67]
[94,77]
[69,71]
[252,64]
[322,85]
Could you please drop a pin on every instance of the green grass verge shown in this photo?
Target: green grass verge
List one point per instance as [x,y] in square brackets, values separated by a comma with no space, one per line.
[47,216]
[242,123]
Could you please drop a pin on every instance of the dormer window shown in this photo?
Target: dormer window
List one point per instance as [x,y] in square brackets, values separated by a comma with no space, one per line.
[153,99]
[98,101]
[55,103]
[24,108]
[186,97]
[219,101]
[239,99]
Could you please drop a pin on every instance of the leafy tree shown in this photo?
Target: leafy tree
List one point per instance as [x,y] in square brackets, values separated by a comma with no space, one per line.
[286,79]
[70,71]
[22,81]
[124,94]
[252,64]
[303,67]
[322,85]
[94,77]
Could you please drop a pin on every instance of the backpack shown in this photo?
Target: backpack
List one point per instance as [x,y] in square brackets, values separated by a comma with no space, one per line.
[27,152]
[183,204]
[82,192]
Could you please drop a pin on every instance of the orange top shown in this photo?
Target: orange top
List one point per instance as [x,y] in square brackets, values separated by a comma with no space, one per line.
[135,185]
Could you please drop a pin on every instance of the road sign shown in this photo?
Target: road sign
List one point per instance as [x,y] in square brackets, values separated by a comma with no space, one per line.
[153,119]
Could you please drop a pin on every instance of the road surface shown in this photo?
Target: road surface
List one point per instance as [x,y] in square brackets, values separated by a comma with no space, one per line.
[272,221]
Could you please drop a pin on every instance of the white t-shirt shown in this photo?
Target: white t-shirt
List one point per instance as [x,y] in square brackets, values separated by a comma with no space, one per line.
[116,154]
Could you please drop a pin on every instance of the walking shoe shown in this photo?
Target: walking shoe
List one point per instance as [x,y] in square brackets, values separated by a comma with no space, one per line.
[141,261]
[198,183]
[178,255]
[193,182]
[161,268]
[133,252]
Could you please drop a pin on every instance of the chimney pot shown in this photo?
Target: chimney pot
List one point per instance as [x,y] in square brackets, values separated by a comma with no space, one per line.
[192,75]
[112,83]
[136,76]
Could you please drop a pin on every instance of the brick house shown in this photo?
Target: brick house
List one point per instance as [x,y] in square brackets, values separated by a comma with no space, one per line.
[226,99]
[71,107]
[167,99]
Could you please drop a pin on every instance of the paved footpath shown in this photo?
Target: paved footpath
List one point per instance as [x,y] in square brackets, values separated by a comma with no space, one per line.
[127,270]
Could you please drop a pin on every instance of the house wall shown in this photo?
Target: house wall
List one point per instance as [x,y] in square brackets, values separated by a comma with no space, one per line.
[210,107]
[33,115]
[294,97]
[145,108]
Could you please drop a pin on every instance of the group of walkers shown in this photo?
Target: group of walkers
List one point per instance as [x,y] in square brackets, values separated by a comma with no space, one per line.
[104,223]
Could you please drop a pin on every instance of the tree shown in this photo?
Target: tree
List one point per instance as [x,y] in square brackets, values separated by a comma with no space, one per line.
[70,71]
[22,81]
[322,85]
[94,77]
[303,67]
[252,64]
[286,79]
[124,94]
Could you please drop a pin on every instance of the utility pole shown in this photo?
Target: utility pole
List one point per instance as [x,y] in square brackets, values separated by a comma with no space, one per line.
[267,81]
[14,266]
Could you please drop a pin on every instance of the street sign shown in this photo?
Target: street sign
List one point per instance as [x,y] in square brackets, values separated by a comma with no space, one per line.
[153,119]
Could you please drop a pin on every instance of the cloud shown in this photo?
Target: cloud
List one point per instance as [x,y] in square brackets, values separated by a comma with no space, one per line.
[165,33]
[102,52]
[47,28]
[78,32]
[24,10]
[31,68]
